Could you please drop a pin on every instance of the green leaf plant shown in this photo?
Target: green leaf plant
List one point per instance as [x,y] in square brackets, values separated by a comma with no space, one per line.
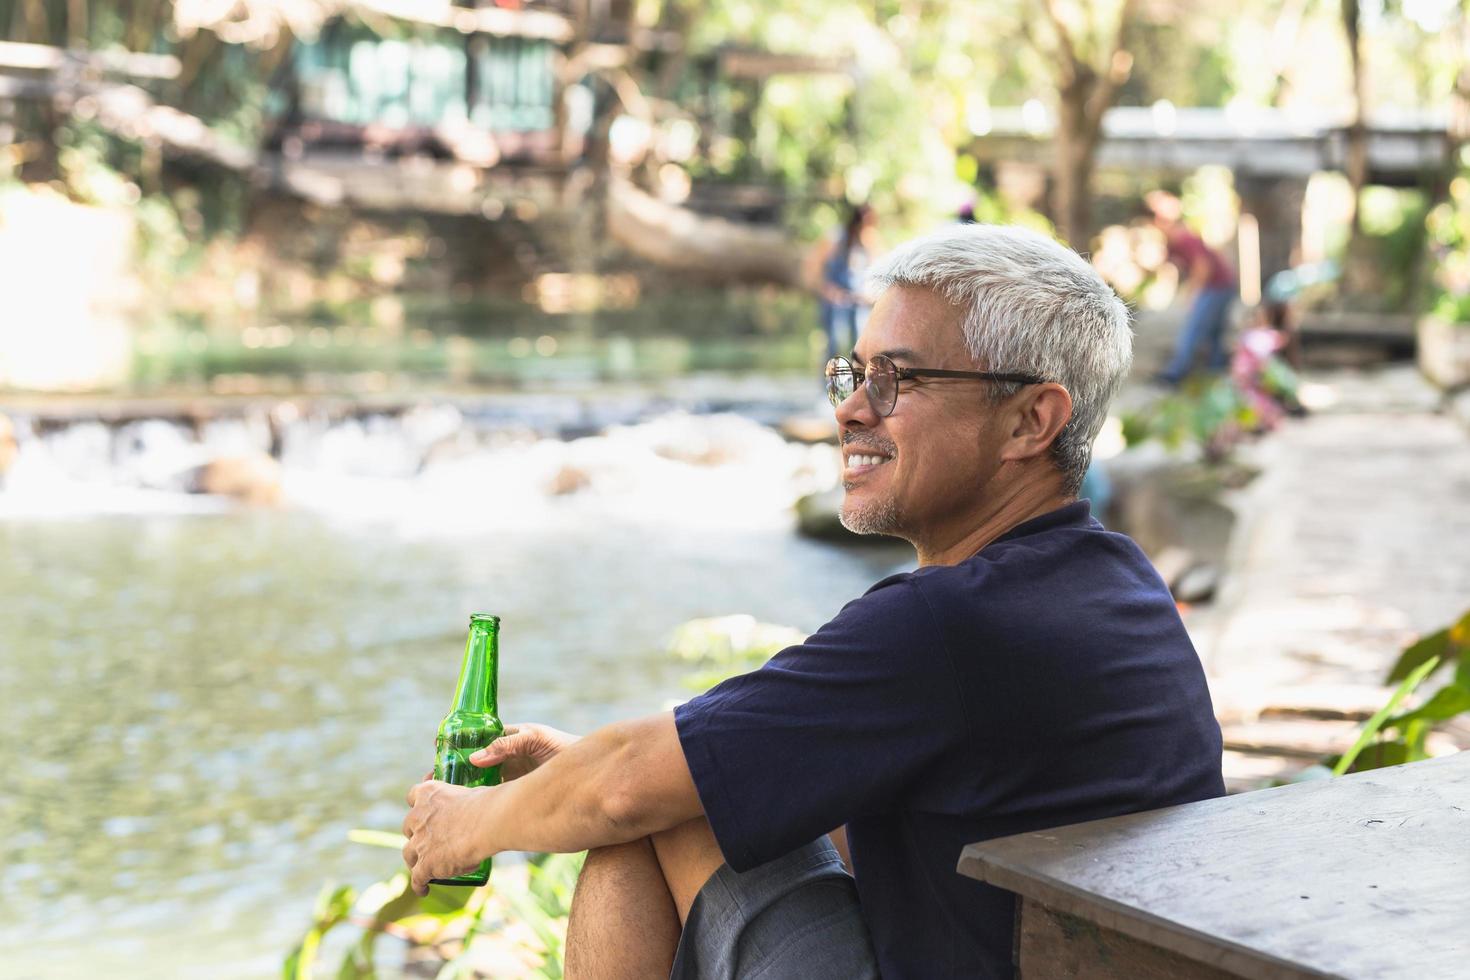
[1389,738]
[520,916]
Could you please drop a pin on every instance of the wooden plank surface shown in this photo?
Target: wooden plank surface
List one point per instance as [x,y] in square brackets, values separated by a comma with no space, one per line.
[1363,876]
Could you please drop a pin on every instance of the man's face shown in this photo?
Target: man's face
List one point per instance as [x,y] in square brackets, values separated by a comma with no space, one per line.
[926,466]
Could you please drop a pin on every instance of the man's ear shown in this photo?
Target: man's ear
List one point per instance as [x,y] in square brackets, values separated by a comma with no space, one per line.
[1038,417]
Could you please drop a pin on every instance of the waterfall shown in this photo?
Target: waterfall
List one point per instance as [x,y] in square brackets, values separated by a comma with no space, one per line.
[683,457]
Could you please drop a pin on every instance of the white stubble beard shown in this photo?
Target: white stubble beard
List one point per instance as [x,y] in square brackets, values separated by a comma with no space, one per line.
[880,516]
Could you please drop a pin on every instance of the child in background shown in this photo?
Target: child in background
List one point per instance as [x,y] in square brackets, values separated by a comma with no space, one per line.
[1260,372]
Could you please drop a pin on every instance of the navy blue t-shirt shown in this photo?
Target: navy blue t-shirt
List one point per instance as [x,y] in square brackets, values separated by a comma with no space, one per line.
[1045,681]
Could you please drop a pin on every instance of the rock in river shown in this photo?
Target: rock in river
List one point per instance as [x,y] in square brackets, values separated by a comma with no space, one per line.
[254,478]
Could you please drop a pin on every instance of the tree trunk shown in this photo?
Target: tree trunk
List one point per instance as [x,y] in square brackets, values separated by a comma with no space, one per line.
[76,23]
[1072,169]
[712,249]
[1357,133]
[196,53]
[1084,94]
[1361,273]
[142,26]
[38,25]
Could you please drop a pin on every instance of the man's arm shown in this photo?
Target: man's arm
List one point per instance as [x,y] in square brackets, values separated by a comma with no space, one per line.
[1199,274]
[622,782]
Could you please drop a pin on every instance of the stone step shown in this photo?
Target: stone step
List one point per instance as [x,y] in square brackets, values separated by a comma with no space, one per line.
[1299,739]
[1245,772]
[1321,702]
[1310,740]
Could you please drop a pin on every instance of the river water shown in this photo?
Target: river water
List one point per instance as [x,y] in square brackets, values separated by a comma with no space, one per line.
[203,699]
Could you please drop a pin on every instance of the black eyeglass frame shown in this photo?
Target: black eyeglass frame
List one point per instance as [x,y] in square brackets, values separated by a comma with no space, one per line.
[905,374]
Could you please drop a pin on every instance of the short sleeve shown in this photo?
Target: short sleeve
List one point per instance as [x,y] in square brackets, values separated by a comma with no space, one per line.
[826,731]
[1188,248]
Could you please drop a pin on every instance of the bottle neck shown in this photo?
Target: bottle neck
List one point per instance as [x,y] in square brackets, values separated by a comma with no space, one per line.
[478,675]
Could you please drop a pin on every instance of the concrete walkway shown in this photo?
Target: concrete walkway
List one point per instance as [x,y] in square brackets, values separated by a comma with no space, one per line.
[1354,540]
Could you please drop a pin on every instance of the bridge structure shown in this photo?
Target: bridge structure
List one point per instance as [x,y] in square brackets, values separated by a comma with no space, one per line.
[1271,152]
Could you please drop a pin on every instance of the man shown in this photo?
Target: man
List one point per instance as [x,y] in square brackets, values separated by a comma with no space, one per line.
[1032,672]
[1208,278]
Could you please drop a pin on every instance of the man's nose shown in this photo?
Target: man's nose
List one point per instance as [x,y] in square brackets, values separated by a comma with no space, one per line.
[855,411]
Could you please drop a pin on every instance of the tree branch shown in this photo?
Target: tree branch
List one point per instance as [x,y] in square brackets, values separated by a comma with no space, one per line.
[1114,72]
[1067,63]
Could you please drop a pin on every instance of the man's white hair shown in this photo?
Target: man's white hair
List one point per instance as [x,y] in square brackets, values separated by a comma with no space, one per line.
[1030,306]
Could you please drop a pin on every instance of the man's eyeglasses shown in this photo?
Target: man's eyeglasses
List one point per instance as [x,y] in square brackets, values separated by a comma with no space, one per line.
[881,378]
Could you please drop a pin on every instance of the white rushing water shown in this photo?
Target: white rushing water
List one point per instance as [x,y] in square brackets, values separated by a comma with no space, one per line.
[431,469]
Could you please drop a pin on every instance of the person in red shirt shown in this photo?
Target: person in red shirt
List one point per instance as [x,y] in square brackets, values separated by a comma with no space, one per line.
[1208,277]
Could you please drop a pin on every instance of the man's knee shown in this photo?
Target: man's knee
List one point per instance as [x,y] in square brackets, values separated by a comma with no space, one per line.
[687,855]
[618,870]
[621,893]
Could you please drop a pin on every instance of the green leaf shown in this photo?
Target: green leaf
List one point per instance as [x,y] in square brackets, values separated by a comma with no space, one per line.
[552,878]
[1446,703]
[1448,644]
[357,963]
[1372,725]
[291,969]
[332,908]
[534,916]
[1393,752]
[444,900]
[377,838]
[1460,638]
[333,905]
[453,969]
[1416,734]
[401,905]
[1434,646]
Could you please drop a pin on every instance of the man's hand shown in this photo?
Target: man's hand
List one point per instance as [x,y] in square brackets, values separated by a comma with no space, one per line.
[624,781]
[522,749]
[440,828]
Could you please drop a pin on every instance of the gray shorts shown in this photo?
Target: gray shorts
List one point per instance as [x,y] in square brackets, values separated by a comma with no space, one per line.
[796,917]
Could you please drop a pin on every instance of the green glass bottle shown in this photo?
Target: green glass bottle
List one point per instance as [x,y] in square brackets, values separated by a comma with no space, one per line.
[472,723]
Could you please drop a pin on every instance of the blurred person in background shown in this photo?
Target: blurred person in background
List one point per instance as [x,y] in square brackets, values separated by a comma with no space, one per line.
[836,267]
[1262,369]
[1207,277]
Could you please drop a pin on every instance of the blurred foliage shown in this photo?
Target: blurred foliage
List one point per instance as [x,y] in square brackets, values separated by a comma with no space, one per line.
[1448,228]
[724,646]
[95,168]
[1209,414]
[886,122]
[1180,60]
[1394,225]
[1392,737]
[881,128]
[227,52]
[513,926]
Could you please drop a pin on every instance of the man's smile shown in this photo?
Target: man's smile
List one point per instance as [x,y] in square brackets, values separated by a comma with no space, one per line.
[856,462]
